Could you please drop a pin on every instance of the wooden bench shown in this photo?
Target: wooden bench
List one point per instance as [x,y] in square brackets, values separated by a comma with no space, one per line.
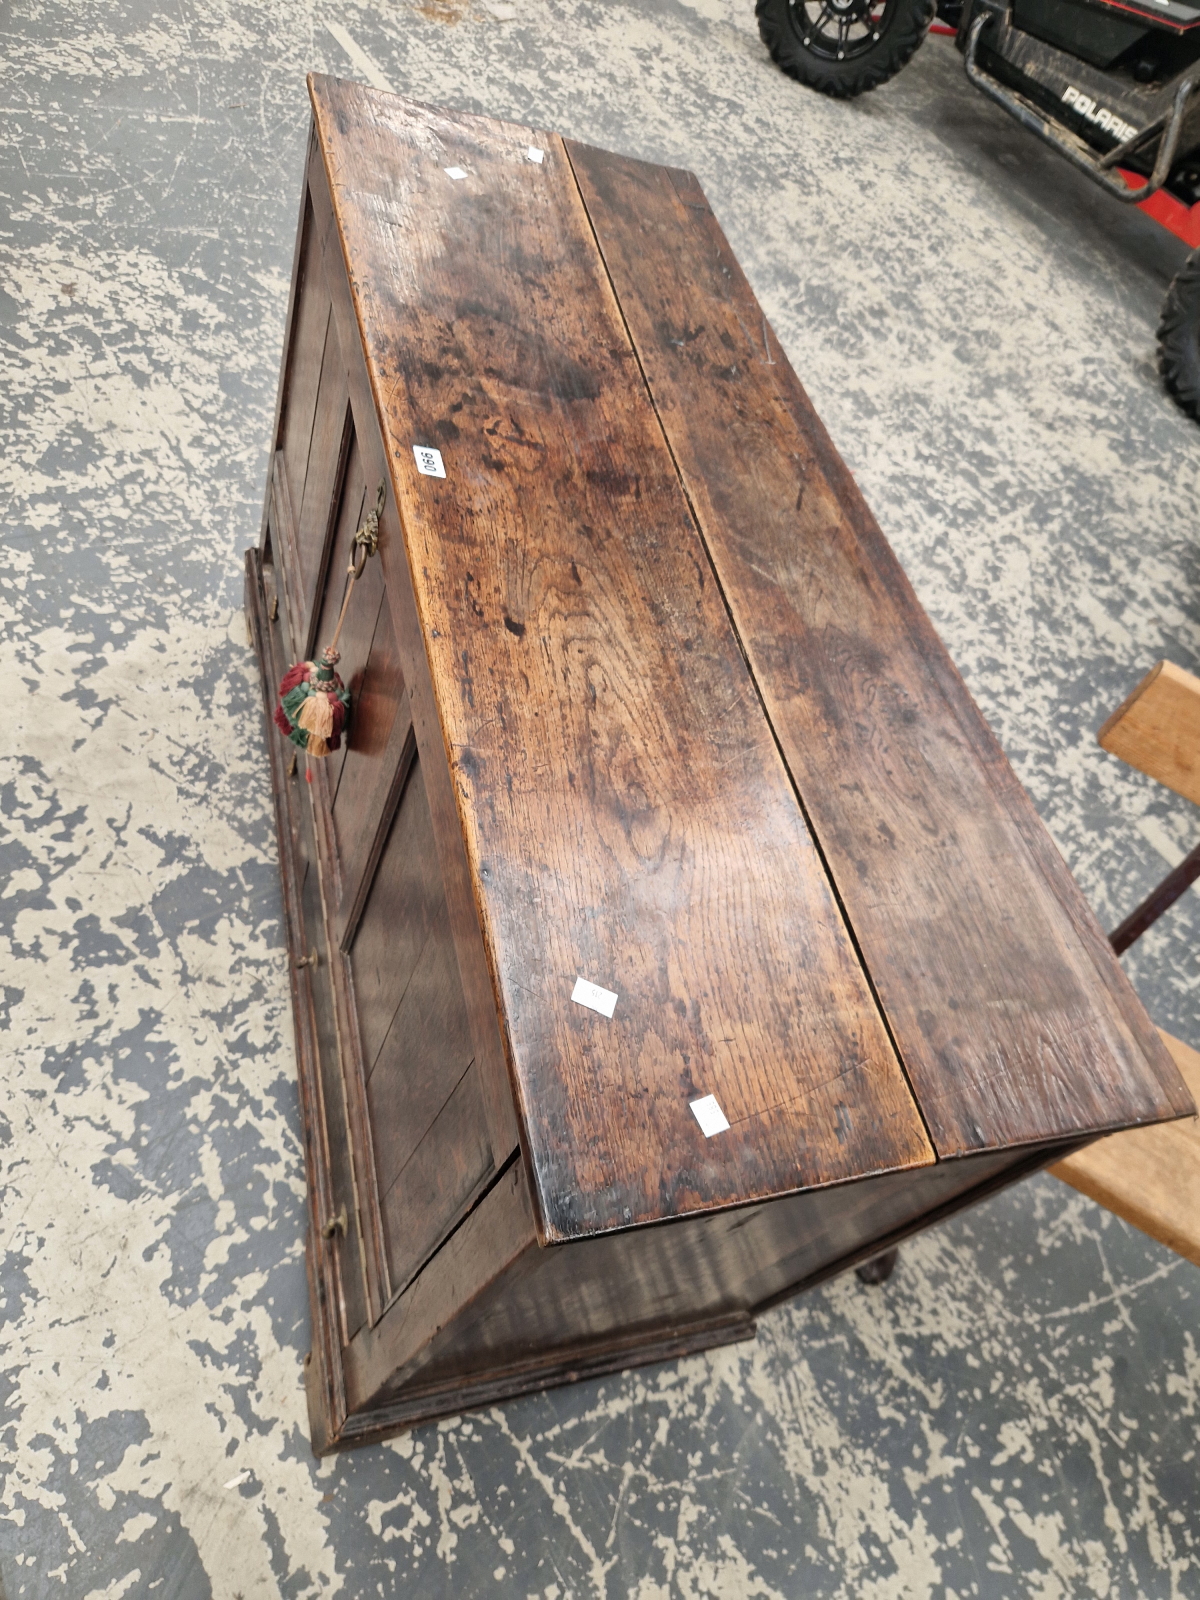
[1157,730]
[1149,1176]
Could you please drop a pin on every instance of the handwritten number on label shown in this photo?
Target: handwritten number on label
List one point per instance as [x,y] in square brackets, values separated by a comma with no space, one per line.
[594,997]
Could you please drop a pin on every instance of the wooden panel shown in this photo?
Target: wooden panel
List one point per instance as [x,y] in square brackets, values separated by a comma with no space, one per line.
[423,1057]
[1157,729]
[308,337]
[624,821]
[1149,1176]
[568,1296]
[377,692]
[332,484]
[280,536]
[362,617]
[1012,1017]
[327,1139]
[443,1176]
[406,901]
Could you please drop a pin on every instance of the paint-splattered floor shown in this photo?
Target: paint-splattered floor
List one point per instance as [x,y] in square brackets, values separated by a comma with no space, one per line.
[1016,1413]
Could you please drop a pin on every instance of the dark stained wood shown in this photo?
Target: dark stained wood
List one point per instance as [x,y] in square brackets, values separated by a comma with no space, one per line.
[282,522]
[406,901]
[333,485]
[424,1056]
[362,619]
[371,809]
[702,1268]
[640,695]
[957,925]
[445,1173]
[379,701]
[306,347]
[337,1265]
[625,821]
[562,1309]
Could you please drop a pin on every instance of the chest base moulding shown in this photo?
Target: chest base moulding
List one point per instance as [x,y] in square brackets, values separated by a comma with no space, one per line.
[640,696]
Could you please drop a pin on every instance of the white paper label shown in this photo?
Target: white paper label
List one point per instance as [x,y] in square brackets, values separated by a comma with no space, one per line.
[429,461]
[594,997]
[535,155]
[454,172]
[709,1115]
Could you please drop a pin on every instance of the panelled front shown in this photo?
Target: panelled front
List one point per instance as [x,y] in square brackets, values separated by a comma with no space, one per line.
[314,993]
[414,1110]
[429,1131]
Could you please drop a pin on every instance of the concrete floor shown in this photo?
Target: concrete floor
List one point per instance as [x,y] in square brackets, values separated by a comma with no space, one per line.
[1016,1413]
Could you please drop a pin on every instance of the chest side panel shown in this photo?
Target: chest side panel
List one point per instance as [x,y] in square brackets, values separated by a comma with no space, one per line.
[627,817]
[1013,1020]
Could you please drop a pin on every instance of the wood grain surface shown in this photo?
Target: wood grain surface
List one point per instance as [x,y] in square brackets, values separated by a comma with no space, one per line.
[1012,1018]
[626,814]
[1157,729]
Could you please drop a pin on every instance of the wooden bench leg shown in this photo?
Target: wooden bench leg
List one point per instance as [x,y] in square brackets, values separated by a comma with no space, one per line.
[1152,907]
[879,1269]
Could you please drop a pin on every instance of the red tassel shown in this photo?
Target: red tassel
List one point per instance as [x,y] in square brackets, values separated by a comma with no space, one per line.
[281,721]
[293,676]
[308,774]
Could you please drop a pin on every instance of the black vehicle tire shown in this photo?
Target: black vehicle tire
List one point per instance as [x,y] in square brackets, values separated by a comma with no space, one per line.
[843,47]
[1179,337]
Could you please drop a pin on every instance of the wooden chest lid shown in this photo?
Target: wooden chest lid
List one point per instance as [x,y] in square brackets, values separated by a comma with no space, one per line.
[709,756]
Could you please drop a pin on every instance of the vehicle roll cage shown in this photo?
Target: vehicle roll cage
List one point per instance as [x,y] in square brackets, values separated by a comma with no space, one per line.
[1166,127]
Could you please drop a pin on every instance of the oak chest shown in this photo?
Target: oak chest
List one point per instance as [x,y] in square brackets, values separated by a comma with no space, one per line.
[669,933]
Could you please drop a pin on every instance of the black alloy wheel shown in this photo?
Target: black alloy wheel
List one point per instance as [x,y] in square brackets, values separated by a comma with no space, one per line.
[843,47]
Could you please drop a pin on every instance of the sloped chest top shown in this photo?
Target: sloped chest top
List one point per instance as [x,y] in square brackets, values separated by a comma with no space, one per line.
[707,753]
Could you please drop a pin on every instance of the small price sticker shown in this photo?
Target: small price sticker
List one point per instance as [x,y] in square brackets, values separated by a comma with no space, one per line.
[709,1115]
[429,461]
[594,997]
[535,155]
[454,172]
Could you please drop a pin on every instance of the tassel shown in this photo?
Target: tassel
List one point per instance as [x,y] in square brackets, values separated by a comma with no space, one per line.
[316,717]
[293,676]
[314,706]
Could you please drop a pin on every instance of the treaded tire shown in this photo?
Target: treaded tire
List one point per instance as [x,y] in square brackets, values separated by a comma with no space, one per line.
[904,24]
[1179,337]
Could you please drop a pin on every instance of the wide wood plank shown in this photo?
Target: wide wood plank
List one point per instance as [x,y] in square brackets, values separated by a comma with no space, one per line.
[1012,1018]
[449,848]
[625,821]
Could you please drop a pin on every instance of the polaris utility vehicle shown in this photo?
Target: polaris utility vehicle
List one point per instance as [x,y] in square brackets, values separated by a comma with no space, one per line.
[1112,85]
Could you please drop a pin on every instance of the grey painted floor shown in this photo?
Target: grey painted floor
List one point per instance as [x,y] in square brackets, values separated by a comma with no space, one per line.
[1016,1413]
